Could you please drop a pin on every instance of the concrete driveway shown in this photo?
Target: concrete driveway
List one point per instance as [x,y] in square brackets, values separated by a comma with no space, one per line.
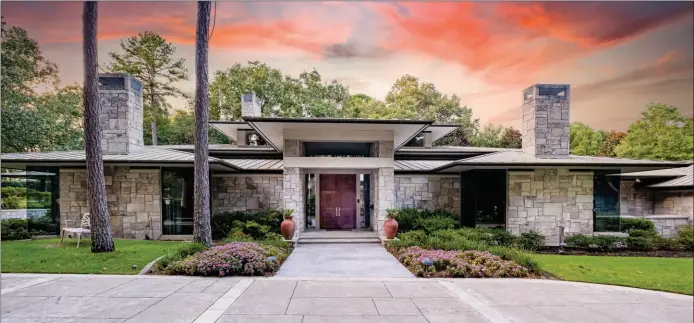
[100,299]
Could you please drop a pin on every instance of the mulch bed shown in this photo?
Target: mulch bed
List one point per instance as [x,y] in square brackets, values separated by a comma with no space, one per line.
[618,253]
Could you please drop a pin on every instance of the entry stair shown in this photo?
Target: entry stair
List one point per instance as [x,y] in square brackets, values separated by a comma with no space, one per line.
[328,237]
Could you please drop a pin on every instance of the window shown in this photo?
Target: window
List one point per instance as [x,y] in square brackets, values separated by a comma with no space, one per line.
[337,149]
[177,201]
[484,198]
[32,194]
[417,141]
[253,139]
[606,201]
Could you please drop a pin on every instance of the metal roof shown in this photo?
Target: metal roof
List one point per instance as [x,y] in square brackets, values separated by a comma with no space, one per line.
[518,158]
[418,165]
[452,149]
[668,172]
[256,164]
[686,179]
[221,147]
[147,154]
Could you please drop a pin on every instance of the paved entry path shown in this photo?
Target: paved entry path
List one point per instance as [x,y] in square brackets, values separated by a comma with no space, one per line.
[342,260]
[29,298]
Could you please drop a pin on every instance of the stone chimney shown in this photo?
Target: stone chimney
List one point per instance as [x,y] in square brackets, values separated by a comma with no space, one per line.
[250,107]
[545,125]
[120,96]
[427,138]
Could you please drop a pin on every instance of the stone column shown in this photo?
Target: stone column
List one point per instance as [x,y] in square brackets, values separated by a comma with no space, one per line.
[384,189]
[293,197]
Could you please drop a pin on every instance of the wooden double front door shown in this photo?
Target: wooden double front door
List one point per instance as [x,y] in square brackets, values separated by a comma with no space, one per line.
[338,201]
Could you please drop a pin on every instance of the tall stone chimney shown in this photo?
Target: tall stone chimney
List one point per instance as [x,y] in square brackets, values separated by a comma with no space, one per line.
[120,96]
[427,139]
[545,126]
[250,107]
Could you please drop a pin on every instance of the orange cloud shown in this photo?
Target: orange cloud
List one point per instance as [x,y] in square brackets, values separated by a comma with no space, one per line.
[667,57]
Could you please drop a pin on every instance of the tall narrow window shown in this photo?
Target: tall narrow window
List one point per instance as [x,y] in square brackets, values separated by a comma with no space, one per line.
[606,201]
[177,201]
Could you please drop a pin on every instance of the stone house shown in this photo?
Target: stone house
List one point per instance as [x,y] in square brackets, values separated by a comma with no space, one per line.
[343,174]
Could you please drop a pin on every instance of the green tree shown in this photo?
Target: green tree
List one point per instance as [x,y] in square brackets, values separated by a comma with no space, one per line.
[23,67]
[150,58]
[584,139]
[280,95]
[512,138]
[179,129]
[490,136]
[411,98]
[612,140]
[663,133]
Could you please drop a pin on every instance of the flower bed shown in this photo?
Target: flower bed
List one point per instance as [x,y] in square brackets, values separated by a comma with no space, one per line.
[456,263]
[231,259]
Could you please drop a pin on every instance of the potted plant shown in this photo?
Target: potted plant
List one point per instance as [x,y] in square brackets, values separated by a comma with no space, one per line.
[288,225]
[390,225]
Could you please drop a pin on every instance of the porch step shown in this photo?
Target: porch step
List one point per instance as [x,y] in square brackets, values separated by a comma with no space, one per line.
[331,240]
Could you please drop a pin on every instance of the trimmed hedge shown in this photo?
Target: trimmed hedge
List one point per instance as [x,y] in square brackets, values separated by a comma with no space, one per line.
[257,224]
[425,220]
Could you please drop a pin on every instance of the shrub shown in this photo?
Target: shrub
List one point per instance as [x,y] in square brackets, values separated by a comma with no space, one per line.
[531,240]
[605,243]
[501,237]
[685,237]
[522,258]
[459,264]
[628,224]
[429,221]
[178,253]
[236,258]
[663,243]
[224,223]
[578,241]
[18,229]
[640,243]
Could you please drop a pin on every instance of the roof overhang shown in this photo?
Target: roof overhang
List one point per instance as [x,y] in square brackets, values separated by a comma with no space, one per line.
[229,128]
[274,129]
[438,131]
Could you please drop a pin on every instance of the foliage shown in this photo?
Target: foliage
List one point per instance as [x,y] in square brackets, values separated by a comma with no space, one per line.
[179,253]
[179,129]
[236,258]
[663,133]
[280,95]
[224,223]
[467,264]
[51,256]
[490,240]
[602,243]
[490,136]
[19,229]
[629,224]
[150,59]
[611,141]
[584,139]
[578,241]
[512,138]
[429,221]
[20,197]
[531,240]
[642,239]
[658,273]
[685,237]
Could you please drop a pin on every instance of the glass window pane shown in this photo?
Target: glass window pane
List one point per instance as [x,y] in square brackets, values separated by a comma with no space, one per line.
[177,201]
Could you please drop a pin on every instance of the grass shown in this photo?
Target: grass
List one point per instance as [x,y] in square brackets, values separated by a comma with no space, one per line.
[663,274]
[50,256]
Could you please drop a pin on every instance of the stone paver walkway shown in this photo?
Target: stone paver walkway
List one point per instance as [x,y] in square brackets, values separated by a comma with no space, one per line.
[342,260]
[116,299]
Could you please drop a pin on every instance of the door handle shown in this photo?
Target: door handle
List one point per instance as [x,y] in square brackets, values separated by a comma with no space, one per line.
[336,213]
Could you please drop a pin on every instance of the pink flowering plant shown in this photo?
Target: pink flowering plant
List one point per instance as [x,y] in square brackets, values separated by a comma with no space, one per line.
[231,259]
[457,263]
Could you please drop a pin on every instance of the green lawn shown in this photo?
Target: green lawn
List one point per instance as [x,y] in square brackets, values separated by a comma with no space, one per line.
[665,274]
[50,256]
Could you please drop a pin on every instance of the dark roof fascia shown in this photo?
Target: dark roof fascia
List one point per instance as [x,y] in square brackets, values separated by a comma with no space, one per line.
[670,188]
[108,162]
[337,120]
[587,166]
[445,125]
[227,122]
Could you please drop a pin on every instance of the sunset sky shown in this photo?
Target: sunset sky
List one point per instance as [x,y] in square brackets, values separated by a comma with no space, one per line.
[617,56]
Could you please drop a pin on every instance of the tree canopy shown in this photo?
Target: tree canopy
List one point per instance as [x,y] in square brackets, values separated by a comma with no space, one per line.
[663,133]
[584,139]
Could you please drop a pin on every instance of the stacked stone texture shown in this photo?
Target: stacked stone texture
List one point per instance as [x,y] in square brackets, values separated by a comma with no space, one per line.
[250,106]
[121,116]
[134,200]
[383,184]
[545,199]
[246,193]
[668,226]
[633,201]
[545,131]
[428,192]
[293,184]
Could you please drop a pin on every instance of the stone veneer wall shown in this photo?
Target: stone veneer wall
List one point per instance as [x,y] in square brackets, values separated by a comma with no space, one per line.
[384,195]
[121,116]
[246,193]
[674,203]
[544,199]
[633,201]
[545,121]
[424,192]
[293,194]
[667,226]
[134,200]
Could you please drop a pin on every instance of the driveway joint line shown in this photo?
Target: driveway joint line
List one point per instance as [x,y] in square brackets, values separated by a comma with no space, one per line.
[28,284]
[296,284]
[484,310]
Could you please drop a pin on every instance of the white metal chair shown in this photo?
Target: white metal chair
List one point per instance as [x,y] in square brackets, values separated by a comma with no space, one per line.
[85,228]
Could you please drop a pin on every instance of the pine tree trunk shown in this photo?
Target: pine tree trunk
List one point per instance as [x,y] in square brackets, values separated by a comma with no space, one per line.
[202,232]
[96,186]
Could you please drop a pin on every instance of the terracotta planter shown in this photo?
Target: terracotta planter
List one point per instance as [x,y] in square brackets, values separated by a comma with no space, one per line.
[390,226]
[287,228]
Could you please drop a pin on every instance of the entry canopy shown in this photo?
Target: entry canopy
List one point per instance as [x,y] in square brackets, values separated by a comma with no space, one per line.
[229,128]
[440,130]
[273,129]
